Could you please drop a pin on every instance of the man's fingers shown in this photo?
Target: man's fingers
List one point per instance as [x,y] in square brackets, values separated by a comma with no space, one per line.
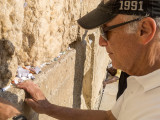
[26,85]
[20,85]
[33,90]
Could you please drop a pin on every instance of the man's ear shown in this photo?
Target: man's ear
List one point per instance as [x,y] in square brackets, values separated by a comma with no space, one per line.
[147,30]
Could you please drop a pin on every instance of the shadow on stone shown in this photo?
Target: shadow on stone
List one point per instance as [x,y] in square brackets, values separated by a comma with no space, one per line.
[80,47]
[7,49]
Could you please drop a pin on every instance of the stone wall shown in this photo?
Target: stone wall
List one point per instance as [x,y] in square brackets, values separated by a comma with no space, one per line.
[56,81]
[36,31]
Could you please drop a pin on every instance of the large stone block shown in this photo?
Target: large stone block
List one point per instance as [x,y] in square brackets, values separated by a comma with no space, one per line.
[56,81]
[49,27]
[94,70]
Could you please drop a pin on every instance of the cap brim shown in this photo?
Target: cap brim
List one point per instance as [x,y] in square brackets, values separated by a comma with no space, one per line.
[95,18]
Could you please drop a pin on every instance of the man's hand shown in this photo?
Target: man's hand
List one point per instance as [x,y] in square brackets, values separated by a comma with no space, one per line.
[41,105]
[38,101]
[7,110]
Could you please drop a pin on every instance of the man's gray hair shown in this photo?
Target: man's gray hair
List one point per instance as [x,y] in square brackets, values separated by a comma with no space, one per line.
[132,27]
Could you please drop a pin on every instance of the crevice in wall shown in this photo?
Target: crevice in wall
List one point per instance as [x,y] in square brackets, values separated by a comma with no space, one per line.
[88,77]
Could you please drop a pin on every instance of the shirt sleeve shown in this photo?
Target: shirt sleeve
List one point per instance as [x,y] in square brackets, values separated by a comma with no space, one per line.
[117,107]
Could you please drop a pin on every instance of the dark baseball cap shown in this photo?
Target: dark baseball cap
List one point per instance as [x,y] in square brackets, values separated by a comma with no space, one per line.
[108,9]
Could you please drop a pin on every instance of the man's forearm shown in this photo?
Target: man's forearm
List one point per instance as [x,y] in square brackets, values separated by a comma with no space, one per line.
[64,113]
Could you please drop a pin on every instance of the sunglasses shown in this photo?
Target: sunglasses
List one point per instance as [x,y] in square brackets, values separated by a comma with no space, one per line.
[104,29]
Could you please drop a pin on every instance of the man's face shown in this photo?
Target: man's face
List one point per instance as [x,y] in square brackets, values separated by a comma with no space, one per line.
[122,47]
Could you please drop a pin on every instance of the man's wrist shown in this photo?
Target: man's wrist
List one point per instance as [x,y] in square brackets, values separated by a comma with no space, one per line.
[51,110]
[46,107]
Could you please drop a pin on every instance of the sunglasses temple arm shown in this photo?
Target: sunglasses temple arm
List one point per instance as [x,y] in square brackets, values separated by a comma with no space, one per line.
[114,26]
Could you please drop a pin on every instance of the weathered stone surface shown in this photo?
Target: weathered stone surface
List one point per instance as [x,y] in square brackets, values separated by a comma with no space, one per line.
[99,69]
[94,71]
[39,30]
[49,27]
[56,81]
[109,97]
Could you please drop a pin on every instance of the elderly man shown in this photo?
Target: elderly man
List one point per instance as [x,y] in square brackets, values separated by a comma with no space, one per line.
[130,33]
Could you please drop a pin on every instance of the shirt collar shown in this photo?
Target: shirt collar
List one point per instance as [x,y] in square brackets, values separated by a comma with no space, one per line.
[149,81]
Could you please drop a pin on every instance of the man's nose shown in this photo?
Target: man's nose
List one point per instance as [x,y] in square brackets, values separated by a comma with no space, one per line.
[102,42]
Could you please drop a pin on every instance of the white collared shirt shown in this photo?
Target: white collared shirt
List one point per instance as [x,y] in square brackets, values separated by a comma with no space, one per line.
[141,99]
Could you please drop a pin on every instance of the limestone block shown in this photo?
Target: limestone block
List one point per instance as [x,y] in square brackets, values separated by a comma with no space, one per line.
[49,27]
[101,60]
[95,63]
[56,81]
[94,71]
